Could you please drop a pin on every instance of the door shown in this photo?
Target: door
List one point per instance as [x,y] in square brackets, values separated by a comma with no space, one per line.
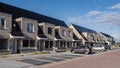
[18,46]
[15,47]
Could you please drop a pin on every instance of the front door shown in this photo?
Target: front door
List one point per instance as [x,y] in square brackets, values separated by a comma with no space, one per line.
[15,47]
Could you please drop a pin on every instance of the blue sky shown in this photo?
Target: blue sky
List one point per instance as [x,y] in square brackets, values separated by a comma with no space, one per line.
[99,15]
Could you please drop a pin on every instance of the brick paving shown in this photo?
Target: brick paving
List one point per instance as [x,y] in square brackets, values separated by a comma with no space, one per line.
[109,59]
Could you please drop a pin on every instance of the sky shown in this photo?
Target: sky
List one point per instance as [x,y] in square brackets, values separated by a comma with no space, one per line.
[99,15]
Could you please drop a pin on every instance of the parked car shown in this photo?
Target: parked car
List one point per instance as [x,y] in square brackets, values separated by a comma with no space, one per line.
[99,48]
[82,49]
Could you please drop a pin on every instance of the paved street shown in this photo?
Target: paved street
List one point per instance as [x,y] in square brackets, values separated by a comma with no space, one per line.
[35,61]
[109,59]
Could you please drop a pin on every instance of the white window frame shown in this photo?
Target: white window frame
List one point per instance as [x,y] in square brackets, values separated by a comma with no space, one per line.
[70,33]
[29,25]
[64,33]
[51,30]
[4,27]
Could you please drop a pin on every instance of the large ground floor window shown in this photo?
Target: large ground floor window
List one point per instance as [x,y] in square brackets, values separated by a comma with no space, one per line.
[32,43]
[25,43]
[28,43]
[48,44]
[3,44]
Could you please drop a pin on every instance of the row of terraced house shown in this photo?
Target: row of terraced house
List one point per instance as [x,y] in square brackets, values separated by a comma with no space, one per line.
[26,31]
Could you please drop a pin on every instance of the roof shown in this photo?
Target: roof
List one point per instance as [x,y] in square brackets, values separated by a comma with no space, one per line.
[57,36]
[84,37]
[42,36]
[81,29]
[16,31]
[75,37]
[40,33]
[106,35]
[19,12]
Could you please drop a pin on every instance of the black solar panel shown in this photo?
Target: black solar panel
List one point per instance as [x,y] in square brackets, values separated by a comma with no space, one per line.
[106,35]
[18,12]
[83,29]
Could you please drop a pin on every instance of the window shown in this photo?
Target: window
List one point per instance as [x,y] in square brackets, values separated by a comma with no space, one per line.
[63,32]
[28,43]
[49,30]
[25,43]
[30,28]
[2,23]
[69,33]
[32,43]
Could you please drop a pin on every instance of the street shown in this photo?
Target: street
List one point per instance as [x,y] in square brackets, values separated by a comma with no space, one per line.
[103,60]
[108,59]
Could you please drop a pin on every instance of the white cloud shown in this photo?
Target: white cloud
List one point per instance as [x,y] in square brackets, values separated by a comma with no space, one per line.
[99,17]
[116,36]
[108,17]
[93,13]
[74,19]
[117,6]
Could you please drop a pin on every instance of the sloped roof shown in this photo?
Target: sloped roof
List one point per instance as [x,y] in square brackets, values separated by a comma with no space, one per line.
[57,36]
[81,29]
[19,12]
[42,36]
[83,37]
[75,37]
[106,35]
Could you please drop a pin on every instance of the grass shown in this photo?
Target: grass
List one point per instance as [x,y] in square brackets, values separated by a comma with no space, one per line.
[4,56]
[43,52]
[68,49]
[34,53]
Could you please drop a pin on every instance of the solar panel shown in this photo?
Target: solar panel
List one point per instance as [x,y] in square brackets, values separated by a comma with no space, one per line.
[19,12]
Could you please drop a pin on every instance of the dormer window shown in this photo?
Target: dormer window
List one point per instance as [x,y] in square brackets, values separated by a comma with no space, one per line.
[50,30]
[30,28]
[63,33]
[69,33]
[2,23]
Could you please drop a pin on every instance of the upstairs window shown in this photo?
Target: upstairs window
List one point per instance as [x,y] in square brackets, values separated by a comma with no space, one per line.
[2,23]
[69,33]
[30,28]
[63,33]
[49,30]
